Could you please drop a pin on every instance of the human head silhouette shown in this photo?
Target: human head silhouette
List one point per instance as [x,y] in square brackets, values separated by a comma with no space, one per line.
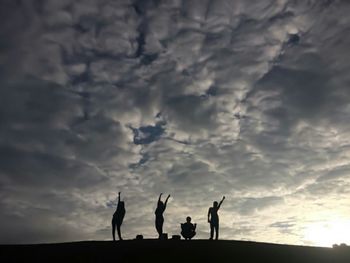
[215,204]
[160,204]
[188,219]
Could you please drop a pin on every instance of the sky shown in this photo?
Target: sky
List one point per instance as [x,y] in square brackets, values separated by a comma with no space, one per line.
[198,99]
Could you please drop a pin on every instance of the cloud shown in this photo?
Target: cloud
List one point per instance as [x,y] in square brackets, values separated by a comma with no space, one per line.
[198,99]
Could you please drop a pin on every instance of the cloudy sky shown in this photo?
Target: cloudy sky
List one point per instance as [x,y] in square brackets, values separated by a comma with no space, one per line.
[197,99]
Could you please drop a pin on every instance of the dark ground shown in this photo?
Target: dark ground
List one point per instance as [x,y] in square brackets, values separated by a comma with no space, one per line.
[171,251]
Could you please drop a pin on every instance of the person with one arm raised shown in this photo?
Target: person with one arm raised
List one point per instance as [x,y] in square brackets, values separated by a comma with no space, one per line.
[159,214]
[213,219]
[118,218]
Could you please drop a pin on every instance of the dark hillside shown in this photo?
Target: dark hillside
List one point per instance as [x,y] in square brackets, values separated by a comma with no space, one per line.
[171,251]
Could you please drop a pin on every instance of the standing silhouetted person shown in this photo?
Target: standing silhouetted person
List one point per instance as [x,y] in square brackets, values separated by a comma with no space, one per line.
[159,214]
[118,217]
[213,219]
[188,230]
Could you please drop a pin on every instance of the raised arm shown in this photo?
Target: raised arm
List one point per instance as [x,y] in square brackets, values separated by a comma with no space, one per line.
[166,200]
[119,197]
[160,196]
[223,198]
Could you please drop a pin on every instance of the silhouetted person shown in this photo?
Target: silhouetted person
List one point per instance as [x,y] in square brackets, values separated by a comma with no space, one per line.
[188,230]
[118,217]
[213,219]
[159,214]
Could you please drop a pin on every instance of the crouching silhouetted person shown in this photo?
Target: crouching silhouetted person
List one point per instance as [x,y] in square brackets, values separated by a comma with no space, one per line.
[118,217]
[159,214]
[188,230]
[213,219]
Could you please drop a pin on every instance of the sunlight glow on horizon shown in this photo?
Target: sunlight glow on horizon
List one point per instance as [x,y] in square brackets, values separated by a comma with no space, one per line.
[327,233]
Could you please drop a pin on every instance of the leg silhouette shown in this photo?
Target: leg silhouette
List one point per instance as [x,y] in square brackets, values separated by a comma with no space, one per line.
[217,232]
[113,230]
[211,231]
[159,225]
[119,234]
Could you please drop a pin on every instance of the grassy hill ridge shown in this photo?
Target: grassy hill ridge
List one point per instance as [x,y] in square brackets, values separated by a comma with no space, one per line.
[171,251]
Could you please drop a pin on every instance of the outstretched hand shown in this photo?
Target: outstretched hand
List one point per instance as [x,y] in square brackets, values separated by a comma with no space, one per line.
[168,196]
[223,198]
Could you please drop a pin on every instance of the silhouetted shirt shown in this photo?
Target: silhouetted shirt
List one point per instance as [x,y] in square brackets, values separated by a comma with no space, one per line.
[119,213]
[160,209]
[214,214]
[188,228]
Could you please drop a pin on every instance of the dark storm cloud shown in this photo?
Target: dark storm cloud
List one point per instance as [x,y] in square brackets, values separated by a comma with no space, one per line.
[195,98]
[45,170]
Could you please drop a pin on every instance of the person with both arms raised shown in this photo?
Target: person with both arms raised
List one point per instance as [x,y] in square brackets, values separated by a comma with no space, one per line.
[159,214]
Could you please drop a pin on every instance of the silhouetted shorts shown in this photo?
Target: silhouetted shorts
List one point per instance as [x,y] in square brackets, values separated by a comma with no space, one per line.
[188,235]
[117,221]
[214,223]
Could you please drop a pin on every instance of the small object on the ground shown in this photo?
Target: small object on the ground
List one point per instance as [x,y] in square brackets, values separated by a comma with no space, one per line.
[176,237]
[139,237]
